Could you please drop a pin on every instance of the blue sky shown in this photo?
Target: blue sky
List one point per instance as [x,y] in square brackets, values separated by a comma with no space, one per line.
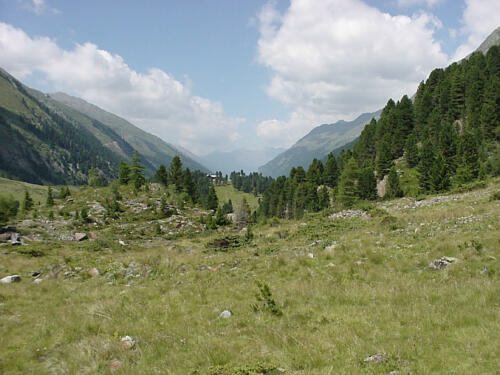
[221,74]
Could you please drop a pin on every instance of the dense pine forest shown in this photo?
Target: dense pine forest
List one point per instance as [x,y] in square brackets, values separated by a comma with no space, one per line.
[447,136]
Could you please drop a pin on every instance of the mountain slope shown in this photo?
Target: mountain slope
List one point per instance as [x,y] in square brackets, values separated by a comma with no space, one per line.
[39,145]
[317,144]
[151,148]
[492,40]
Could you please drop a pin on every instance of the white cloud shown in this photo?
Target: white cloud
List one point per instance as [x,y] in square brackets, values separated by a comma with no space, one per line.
[39,7]
[335,59]
[480,18]
[154,101]
[429,3]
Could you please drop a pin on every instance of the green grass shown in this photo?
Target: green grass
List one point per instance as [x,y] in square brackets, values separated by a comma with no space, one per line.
[226,192]
[17,189]
[367,289]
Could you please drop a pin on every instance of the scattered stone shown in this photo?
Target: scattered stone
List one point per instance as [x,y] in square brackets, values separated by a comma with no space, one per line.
[35,274]
[127,342]
[225,314]
[317,242]
[15,239]
[347,214]
[115,365]
[281,369]
[66,237]
[10,279]
[310,255]
[37,281]
[376,358]
[4,237]
[122,243]
[395,372]
[94,272]
[442,263]
[80,236]
[330,265]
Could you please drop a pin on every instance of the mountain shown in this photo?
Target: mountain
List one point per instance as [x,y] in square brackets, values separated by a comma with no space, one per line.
[317,144]
[153,149]
[39,145]
[236,160]
[492,40]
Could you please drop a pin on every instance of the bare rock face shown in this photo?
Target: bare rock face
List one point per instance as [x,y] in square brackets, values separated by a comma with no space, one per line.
[15,239]
[382,186]
[80,236]
[10,279]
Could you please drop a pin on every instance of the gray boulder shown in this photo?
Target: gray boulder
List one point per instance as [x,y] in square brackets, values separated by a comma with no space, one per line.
[10,279]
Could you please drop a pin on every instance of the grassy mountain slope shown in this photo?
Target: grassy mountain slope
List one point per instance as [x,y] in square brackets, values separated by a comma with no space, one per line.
[151,148]
[347,288]
[317,144]
[39,145]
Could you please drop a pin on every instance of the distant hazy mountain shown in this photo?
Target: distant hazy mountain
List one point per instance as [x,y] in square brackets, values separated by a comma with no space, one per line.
[152,148]
[492,40]
[248,160]
[317,144]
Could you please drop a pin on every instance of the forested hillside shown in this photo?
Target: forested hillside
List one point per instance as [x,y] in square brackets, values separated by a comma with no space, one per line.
[448,136]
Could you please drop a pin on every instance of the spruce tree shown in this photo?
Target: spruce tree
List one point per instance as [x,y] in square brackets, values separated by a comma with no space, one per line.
[348,184]
[161,175]
[175,174]
[123,173]
[323,198]
[137,171]
[439,178]
[384,157]
[50,198]
[212,200]
[331,171]
[93,178]
[425,165]
[315,172]
[411,151]
[27,202]
[367,184]
[190,187]
[393,189]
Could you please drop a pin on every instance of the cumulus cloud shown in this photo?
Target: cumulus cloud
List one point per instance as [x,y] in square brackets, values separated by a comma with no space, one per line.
[335,59]
[154,101]
[480,18]
[429,3]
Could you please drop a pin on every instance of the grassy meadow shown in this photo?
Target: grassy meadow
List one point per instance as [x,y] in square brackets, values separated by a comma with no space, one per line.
[332,291]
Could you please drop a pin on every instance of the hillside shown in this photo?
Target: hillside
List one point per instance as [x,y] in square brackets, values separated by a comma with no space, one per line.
[316,145]
[406,285]
[39,145]
[153,150]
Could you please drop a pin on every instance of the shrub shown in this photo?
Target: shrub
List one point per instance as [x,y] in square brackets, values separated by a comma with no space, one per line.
[265,301]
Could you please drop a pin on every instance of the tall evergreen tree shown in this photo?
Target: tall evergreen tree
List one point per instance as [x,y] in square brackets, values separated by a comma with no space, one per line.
[384,157]
[93,178]
[176,173]
[439,178]
[367,184]
[27,202]
[137,171]
[315,172]
[331,172]
[323,197]
[348,184]
[161,175]
[425,165]
[411,151]
[123,172]
[393,189]
[190,186]
[50,198]
[212,200]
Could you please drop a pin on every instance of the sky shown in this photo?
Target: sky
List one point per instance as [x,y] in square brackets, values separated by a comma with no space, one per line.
[218,75]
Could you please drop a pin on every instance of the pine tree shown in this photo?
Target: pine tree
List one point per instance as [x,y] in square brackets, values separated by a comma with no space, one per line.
[411,151]
[212,200]
[468,149]
[161,175]
[367,184]
[242,214]
[27,202]
[190,186]
[393,189]
[448,146]
[384,157]
[123,173]
[137,171]
[348,184]
[93,178]
[331,172]
[175,174]
[50,198]
[425,165]
[439,180]
[315,172]
[323,197]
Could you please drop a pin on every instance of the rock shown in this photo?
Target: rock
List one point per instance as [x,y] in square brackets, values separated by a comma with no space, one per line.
[35,274]
[395,372]
[347,214]
[331,248]
[281,369]
[330,265]
[225,314]
[4,237]
[15,239]
[94,272]
[80,236]
[442,263]
[127,342]
[115,365]
[310,255]
[37,281]
[122,243]
[376,358]
[66,237]
[10,279]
